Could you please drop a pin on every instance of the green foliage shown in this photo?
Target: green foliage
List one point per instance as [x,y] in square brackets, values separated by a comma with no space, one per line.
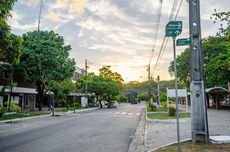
[224,17]
[45,58]
[13,106]
[10,44]
[163,96]
[183,68]
[151,107]
[77,105]
[217,61]
[143,96]
[61,89]
[172,111]
[216,56]
[2,111]
[106,72]
[104,88]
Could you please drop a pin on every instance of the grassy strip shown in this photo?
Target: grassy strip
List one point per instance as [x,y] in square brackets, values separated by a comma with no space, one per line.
[23,115]
[66,110]
[189,147]
[164,116]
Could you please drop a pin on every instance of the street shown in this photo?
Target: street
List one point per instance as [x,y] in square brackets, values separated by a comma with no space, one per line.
[100,130]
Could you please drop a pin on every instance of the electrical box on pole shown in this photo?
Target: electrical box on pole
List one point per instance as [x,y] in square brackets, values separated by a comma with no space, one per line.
[199,123]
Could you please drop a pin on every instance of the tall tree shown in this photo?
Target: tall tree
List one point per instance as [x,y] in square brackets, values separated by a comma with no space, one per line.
[10,46]
[183,72]
[45,57]
[216,56]
[105,71]
[8,41]
[103,88]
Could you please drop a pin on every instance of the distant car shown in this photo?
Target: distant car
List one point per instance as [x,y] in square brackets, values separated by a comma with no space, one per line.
[111,104]
[135,101]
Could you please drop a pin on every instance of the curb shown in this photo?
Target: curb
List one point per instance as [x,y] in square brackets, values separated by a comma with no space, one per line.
[170,144]
[139,138]
[46,115]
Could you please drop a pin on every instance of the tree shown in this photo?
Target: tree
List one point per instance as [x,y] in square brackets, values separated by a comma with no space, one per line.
[10,46]
[9,43]
[103,88]
[216,61]
[183,69]
[45,58]
[61,90]
[105,71]
[216,56]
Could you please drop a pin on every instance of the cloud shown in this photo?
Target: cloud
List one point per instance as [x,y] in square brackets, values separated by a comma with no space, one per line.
[53,16]
[77,6]
[30,3]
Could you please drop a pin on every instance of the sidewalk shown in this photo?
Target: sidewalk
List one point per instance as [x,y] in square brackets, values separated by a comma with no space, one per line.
[160,134]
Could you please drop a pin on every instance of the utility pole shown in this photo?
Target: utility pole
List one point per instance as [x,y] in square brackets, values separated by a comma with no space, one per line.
[86,84]
[39,16]
[199,123]
[149,85]
[158,88]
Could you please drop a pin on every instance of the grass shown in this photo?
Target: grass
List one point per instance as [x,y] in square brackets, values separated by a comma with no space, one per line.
[164,116]
[23,115]
[199,147]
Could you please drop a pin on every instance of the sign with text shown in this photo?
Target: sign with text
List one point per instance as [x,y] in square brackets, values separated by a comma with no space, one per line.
[173,28]
[183,42]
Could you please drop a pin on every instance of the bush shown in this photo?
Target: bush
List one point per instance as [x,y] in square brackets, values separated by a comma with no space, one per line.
[77,105]
[2,111]
[152,107]
[13,106]
[172,111]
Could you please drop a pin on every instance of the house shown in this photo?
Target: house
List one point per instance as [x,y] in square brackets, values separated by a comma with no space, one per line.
[25,94]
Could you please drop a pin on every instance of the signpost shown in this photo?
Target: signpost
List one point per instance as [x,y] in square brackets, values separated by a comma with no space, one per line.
[173,29]
[183,42]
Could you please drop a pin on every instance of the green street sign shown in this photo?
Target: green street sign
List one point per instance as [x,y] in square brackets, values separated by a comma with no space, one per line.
[183,42]
[173,28]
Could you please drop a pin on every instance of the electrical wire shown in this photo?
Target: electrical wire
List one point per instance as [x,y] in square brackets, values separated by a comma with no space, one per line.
[156,29]
[165,39]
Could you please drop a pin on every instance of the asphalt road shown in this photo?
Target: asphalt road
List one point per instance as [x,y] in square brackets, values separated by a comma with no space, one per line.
[102,130]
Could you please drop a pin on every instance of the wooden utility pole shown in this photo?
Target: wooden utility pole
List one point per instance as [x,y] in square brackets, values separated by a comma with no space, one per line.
[199,124]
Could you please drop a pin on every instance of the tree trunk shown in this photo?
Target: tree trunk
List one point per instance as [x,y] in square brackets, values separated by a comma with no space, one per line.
[100,104]
[40,90]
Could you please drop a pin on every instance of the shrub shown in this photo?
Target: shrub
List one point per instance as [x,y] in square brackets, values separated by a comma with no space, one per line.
[2,111]
[13,106]
[172,111]
[78,105]
[153,107]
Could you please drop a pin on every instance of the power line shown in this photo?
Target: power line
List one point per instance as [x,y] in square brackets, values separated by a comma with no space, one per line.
[156,29]
[165,40]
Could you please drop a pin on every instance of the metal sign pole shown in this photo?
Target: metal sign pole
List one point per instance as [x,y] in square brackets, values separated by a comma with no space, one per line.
[176,93]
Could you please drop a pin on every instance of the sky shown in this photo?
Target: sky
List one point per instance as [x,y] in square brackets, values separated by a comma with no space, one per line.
[117,33]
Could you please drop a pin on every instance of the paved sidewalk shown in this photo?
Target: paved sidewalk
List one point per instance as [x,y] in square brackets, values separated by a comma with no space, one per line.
[163,133]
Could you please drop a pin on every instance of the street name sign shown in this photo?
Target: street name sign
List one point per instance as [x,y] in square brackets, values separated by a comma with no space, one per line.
[173,28]
[183,42]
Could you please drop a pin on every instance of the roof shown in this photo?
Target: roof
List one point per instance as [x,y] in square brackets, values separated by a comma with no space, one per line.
[21,90]
[216,90]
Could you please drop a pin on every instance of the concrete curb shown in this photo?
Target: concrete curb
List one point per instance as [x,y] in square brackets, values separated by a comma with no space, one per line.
[182,120]
[46,115]
[169,144]
[139,139]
